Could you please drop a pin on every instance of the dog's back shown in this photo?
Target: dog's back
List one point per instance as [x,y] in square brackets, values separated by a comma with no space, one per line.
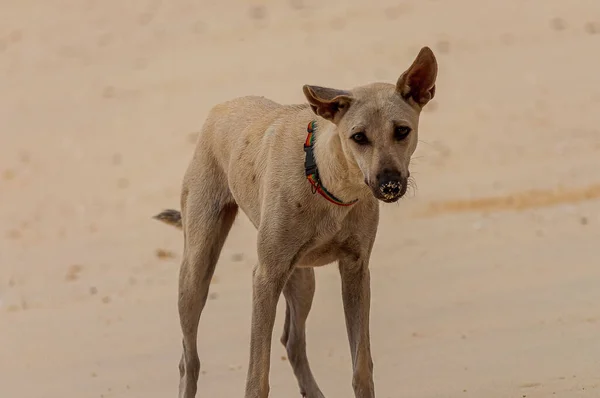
[242,138]
[230,122]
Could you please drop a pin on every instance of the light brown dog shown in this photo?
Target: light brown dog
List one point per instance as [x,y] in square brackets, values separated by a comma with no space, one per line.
[312,193]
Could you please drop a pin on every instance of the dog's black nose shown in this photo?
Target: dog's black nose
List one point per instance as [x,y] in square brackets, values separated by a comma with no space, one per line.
[390,183]
[391,188]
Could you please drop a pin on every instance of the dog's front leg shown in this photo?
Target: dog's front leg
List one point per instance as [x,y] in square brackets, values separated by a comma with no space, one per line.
[356,294]
[269,278]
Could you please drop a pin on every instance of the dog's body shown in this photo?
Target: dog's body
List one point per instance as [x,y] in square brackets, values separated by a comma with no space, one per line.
[250,155]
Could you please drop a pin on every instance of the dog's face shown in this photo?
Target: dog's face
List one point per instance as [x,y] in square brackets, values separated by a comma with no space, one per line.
[378,124]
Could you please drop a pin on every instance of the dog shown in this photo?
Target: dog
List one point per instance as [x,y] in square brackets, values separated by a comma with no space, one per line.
[310,178]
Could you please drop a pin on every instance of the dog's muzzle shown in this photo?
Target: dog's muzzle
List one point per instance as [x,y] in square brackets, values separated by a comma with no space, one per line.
[390,190]
[391,186]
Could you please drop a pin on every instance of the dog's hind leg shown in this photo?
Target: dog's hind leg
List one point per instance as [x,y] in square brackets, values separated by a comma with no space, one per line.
[208,214]
[299,292]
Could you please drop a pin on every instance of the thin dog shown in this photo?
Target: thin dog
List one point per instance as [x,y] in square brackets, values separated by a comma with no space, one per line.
[313,194]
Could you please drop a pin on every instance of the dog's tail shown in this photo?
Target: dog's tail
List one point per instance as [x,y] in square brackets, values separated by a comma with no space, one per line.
[171,217]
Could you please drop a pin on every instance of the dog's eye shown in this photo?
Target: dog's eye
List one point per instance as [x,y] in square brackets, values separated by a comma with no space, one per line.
[360,138]
[401,132]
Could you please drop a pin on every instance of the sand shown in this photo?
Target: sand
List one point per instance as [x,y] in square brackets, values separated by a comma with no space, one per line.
[486,279]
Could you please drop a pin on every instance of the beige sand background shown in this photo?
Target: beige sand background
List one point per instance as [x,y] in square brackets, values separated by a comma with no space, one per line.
[486,280]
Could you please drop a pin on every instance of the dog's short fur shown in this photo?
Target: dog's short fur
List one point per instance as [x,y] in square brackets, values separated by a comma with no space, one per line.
[250,155]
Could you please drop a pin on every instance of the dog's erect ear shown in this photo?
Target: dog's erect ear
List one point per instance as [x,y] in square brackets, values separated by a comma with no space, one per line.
[418,82]
[328,103]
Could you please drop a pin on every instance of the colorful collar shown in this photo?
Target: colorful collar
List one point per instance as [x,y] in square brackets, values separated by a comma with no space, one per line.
[312,172]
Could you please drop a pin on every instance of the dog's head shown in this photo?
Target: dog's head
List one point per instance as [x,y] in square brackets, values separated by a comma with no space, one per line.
[378,124]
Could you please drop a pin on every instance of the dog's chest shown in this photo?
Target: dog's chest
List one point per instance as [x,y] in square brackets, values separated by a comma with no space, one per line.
[321,255]
[328,249]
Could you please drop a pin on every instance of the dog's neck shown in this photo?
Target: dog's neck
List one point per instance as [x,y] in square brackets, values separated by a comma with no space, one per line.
[337,174]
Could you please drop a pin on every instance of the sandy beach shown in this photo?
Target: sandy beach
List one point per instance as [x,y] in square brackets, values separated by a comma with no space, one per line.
[485,279]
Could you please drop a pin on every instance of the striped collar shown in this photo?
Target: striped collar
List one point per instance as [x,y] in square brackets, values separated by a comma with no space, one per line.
[312,172]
